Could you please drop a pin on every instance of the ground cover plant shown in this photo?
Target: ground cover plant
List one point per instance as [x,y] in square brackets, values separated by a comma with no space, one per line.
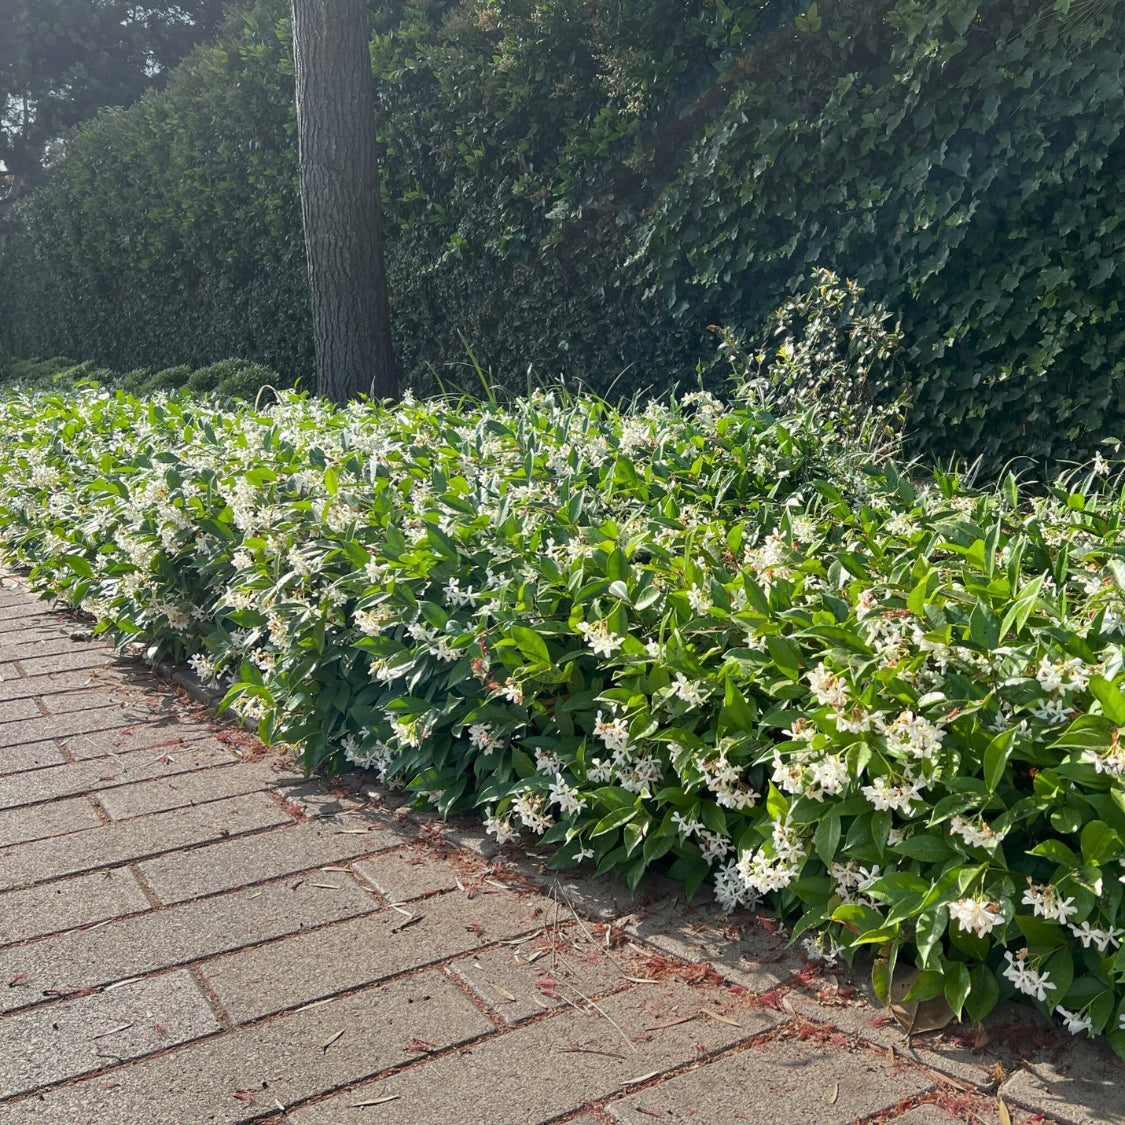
[745,646]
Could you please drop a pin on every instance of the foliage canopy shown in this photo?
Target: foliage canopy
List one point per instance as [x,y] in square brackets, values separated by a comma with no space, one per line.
[584,189]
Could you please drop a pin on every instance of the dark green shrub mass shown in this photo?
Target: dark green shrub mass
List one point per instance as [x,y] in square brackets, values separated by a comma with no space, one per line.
[583,190]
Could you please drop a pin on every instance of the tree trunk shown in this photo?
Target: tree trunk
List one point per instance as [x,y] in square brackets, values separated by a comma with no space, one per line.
[340,200]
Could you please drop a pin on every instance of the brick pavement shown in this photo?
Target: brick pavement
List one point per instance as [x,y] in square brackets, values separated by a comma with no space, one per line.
[190,932]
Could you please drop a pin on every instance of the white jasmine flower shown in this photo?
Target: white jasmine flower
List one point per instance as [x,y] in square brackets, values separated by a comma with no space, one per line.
[714,845]
[565,796]
[1052,711]
[613,732]
[501,828]
[1074,1022]
[973,914]
[599,770]
[601,641]
[546,762]
[1088,935]
[898,796]
[829,689]
[203,668]
[699,600]
[1025,979]
[687,827]
[692,693]
[1045,901]
[975,835]
[512,691]
[855,720]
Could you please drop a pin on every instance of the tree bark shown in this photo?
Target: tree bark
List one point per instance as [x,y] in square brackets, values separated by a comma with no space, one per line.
[340,200]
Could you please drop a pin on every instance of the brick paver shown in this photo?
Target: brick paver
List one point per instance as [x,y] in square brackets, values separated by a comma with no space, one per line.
[191,933]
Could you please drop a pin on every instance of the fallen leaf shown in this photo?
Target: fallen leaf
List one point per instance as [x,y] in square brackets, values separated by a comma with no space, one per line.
[420,1045]
[375,1101]
[328,1042]
[502,992]
[17,980]
[522,940]
[917,1017]
[1002,1112]
[121,983]
[244,1096]
[721,1018]
[672,1023]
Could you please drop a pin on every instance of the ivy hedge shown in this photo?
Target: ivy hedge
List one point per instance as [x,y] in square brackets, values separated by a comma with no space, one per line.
[585,189]
[746,646]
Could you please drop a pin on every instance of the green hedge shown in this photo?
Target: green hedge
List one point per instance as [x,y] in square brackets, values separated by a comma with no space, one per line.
[229,378]
[584,190]
[738,646]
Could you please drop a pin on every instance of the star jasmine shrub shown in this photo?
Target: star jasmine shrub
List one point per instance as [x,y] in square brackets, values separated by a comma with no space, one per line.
[745,646]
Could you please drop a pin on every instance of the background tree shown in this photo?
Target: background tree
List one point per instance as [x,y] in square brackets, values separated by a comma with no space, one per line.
[63,60]
[340,200]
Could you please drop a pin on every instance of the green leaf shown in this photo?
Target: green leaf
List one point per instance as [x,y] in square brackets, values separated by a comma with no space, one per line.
[614,819]
[1111,699]
[929,849]
[930,983]
[996,756]
[826,839]
[530,644]
[984,629]
[1021,609]
[882,973]
[736,716]
[984,992]
[785,656]
[1099,843]
[79,565]
[777,805]
[958,982]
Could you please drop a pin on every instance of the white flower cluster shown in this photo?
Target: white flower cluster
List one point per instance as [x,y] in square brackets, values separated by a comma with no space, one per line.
[530,808]
[725,781]
[1046,902]
[978,835]
[1064,676]
[377,756]
[899,795]
[632,770]
[1110,761]
[911,736]
[809,773]
[500,827]
[853,881]
[482,738]
[601,641]
[1026,979]
[976,915]
[713,845]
